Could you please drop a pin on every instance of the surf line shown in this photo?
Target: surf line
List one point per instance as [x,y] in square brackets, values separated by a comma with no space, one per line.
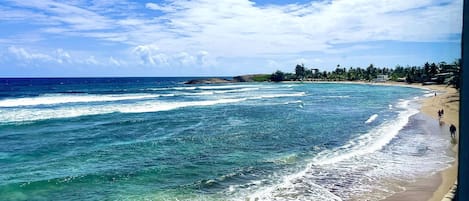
[371,119]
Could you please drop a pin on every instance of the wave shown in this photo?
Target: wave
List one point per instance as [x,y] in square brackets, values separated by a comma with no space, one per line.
[292,102]
[370,142]
[184,88]
[289,190]
[66,111]
[76,111]
[52,99]
[211,92]
[236,90]
[279,95]
[199,93]
[204,87]
[226,86]
[299,185]
[430,94]
[371,119]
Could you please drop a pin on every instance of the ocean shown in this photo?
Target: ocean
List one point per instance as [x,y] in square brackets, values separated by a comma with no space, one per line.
[159,139]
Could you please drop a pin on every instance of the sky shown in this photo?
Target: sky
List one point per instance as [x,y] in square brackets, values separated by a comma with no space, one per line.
[157,38]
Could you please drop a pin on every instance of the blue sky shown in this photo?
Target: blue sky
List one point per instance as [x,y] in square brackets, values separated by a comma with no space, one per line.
[221,37]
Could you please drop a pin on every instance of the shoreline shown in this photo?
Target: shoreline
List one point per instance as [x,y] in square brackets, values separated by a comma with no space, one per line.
[433,187]
[438,186]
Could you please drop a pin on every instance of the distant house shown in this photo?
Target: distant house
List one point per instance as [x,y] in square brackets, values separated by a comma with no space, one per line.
[441,77]
[401,79]
[381,78]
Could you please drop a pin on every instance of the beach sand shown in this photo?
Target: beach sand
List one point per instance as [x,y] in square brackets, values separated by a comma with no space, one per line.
[435,187]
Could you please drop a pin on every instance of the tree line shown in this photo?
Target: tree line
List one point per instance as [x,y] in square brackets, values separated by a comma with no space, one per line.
[429,73]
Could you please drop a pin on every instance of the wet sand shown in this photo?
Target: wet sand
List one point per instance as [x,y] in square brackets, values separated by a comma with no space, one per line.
[434,187]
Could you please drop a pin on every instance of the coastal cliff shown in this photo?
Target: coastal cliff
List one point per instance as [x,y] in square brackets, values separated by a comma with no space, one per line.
[236,79]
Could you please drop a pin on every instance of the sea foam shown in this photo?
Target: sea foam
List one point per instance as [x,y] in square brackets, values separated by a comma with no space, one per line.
[370,142]
[225,86]
[297,183]
[371,119]
[34,114]
[61,99]
[144,103]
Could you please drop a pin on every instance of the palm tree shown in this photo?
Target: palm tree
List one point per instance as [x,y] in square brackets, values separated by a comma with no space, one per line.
[455,69]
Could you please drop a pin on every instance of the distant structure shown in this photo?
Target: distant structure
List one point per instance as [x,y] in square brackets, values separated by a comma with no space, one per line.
[381,78]
[314,74]
[314,71]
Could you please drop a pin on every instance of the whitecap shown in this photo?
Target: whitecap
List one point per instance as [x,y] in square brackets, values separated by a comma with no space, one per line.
[370,142]
[52,99]
[372,118]
[226,86]
[34,114]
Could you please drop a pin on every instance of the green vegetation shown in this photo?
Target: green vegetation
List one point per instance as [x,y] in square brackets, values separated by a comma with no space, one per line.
[261,77]
[441,73]
[278,76]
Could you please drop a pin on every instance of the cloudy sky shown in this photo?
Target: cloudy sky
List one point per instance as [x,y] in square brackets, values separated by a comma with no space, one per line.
[221,37]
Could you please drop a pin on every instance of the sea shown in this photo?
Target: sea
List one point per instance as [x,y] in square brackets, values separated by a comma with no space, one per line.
[160,139]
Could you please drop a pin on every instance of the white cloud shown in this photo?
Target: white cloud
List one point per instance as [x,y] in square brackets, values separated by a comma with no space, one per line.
[185,59]
[57,56]
[152,55]
[62,56]
[240,28]
[199,32]
[25,55]
[67,16]
[149,54]
[154,6]
[203,58]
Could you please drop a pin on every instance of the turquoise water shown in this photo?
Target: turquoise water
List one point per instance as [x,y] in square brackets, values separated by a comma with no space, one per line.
[158,139]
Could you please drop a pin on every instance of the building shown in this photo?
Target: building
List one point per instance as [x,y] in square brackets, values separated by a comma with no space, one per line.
[381,78]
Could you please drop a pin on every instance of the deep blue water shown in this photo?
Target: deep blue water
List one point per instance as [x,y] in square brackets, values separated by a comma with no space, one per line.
[158,139]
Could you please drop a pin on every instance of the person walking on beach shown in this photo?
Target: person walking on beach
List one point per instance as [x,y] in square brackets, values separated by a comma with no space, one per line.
[452,130]
[439,115]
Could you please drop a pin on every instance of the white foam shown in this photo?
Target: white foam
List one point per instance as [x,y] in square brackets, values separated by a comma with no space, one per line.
[60,99]
[289,190]
[370,142]
[226,86]
[27,114]
[184,88]
[68,111]
[200,93]
[292,102]
[236,90]
[429,94]
[280,95]
[212,92]
[372,118]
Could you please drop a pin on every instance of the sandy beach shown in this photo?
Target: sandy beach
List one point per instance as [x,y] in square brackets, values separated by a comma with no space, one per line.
[434,187]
